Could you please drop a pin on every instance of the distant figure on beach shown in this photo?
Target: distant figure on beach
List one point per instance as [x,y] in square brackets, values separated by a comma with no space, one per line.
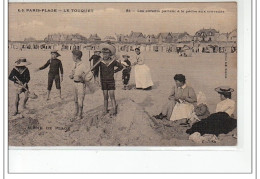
[106,66]
[80,76]
[95,58]
[55,72]
[181,101]
[226,105]
[127,71]
[143,78]
[20,75]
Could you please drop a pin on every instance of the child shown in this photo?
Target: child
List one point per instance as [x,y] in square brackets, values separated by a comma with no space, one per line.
[20,75]
[95,59]
[80,75]
[201,110]
[126,72]
[54,72]
[107,71]
[227,104]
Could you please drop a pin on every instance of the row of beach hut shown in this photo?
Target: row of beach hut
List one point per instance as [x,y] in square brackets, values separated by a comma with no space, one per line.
[217,47]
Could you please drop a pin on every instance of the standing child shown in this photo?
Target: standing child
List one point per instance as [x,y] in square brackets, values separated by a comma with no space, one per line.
[107,71]
[20,75]
[80,75]
[54,72]
[126,72]
[95,59]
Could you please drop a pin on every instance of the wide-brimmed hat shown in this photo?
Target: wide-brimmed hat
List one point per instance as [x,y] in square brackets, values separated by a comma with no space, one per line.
[56,52]
[105,47]
[125,56]
[22,62]
[224,89]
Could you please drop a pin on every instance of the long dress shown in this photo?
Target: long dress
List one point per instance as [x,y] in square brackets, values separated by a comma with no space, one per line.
[183,109]
[143,77]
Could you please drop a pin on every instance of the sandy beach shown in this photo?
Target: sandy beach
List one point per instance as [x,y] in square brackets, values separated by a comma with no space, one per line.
[47,123]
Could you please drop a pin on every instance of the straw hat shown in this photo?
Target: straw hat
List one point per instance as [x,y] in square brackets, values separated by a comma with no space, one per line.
[22,62]
[224,89]
[56,52]
[105,47]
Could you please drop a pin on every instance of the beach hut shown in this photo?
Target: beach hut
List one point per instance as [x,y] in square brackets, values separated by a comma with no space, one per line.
[232,37]
[185,51]
[143,47]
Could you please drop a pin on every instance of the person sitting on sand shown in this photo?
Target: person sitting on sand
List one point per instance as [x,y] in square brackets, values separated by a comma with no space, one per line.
[54,72]
[80,75]
[95,59]
[20,75]
[106,66]
[227,104]
[143,78]
[201,110]
[127,70]
[181,101]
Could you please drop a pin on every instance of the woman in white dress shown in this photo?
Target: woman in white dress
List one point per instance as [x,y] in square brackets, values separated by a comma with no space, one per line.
[143,79]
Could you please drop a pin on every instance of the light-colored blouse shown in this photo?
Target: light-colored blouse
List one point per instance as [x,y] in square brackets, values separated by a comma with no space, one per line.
[227,105]
[140,59]
[184,92]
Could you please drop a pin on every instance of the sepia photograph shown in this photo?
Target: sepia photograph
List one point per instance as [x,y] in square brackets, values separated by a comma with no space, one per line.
[122,74]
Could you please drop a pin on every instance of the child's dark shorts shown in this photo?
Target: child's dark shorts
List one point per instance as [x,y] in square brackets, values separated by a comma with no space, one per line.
[51,78]
[108,85]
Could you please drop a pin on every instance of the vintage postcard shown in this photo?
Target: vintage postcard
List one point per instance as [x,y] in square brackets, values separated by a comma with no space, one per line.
[122,74]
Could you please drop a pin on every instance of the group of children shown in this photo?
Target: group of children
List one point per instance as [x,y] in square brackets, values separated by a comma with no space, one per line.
[125,63]
[80,75]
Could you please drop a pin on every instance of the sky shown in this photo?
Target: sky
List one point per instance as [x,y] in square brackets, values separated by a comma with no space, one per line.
[108,19]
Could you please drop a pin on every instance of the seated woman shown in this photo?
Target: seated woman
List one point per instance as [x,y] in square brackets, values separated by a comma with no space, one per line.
[181,101]
[227,104]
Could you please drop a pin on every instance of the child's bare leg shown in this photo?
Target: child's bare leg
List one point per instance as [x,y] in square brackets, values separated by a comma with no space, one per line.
[105,94]
[76,102]
[48,94]
[113,100]
[59,92]
[26,97]
[17,99]
[80,105]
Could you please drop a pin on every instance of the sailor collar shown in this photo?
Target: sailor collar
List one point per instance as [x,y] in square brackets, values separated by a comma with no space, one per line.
[21,72]
[108,63]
